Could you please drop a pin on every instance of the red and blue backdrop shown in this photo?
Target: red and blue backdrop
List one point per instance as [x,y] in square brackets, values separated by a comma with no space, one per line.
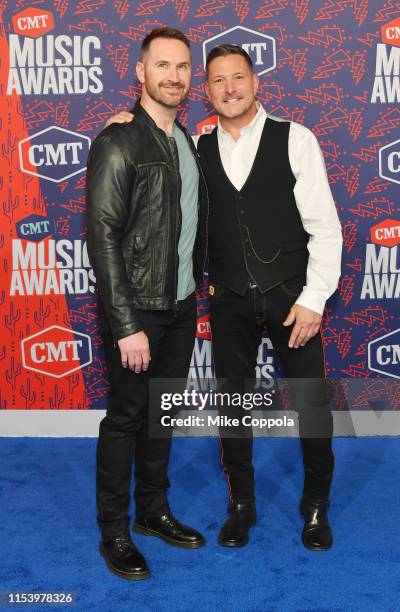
[66,67]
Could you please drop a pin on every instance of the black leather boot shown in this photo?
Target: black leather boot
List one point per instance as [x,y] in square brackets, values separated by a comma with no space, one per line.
[317,533]
[123,558]
[235,532]
[170,530]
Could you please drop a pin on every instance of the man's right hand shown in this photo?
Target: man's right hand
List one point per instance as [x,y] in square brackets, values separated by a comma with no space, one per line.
[135,352]
[122,117]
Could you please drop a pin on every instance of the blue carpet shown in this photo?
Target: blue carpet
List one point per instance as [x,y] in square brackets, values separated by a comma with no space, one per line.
[49,538]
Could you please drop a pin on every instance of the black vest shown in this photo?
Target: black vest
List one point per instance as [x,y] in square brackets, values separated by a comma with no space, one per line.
[255,234]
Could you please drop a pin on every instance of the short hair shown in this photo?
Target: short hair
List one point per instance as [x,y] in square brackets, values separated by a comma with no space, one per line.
[166,32]
[223,50]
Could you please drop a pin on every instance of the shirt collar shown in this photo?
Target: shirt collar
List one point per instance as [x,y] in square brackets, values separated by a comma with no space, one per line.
[259,116]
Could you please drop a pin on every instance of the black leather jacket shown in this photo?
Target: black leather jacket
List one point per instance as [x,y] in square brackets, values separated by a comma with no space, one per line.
[134,220]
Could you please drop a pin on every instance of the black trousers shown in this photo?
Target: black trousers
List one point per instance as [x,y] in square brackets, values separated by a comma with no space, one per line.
[124,432]
[237,323]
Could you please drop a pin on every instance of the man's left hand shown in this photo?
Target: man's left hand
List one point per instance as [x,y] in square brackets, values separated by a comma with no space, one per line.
[122,117]
[307,323]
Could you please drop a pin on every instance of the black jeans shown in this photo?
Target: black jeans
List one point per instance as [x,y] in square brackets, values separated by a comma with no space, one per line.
[236,323]
[124,432]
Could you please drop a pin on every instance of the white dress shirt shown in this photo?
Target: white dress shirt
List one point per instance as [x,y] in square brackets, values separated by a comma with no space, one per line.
[312,195]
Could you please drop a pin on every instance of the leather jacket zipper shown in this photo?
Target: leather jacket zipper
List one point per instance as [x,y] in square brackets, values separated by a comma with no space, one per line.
[173,154]
[175,158]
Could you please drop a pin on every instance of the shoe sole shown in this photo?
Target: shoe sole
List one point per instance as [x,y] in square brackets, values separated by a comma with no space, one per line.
[316,548]
[150,532]
[231,545]
[120,573]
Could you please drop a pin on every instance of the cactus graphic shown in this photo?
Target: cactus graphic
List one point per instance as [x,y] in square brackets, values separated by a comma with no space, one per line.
[28,395]
[10,321]
[10,206]
[57,399]
[12,373]
[73,382]
[41,315]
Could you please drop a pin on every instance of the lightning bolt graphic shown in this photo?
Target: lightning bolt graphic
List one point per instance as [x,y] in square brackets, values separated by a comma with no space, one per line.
[242,8]
[332,8]
[208,9]
[324,36]
[149,7]
[374,208]
[122,7]
[88,6]
[182,8]
[349,235]
[368,316]
[271,8]
[355,265]
[322,94]
[388,122]
[301,8]
[346,288]
[377,185]
[367,155]
[352,181]
[369,39]
[356,370]
[139,32]
[299,65]
[95,117]
[391,9]
[333,64]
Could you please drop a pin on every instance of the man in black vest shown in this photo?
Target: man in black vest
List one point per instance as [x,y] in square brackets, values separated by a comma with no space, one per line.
[273,260]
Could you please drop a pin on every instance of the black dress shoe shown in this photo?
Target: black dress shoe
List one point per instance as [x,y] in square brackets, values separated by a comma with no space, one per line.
[235,532]
[123,558]
[316,534]
[170,530]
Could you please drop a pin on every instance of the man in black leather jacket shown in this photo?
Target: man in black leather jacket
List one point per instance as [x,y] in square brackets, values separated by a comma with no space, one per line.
[147,216]
[273,259]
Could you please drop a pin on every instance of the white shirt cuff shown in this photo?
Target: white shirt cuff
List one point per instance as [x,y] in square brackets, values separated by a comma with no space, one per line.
[311,299]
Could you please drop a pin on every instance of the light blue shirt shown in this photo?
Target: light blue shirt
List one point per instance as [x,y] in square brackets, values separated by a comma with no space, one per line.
[189,202]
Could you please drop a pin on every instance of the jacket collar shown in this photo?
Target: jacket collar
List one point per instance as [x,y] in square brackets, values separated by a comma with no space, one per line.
[138,110]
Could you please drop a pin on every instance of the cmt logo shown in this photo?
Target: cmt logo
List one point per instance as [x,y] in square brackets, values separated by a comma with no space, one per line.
[384,354]
[204,327]
[56,351]
[207,125]
[389,162]
[386,233]
[54,154]
[33,228]
[260,47]
[33,22]
[391,32]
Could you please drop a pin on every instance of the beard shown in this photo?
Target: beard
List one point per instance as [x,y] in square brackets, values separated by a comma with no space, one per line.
[157,93]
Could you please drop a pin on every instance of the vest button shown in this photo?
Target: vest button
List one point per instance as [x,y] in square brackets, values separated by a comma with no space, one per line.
[242,212]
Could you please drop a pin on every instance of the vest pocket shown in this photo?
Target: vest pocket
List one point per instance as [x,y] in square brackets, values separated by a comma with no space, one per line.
[268,260]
